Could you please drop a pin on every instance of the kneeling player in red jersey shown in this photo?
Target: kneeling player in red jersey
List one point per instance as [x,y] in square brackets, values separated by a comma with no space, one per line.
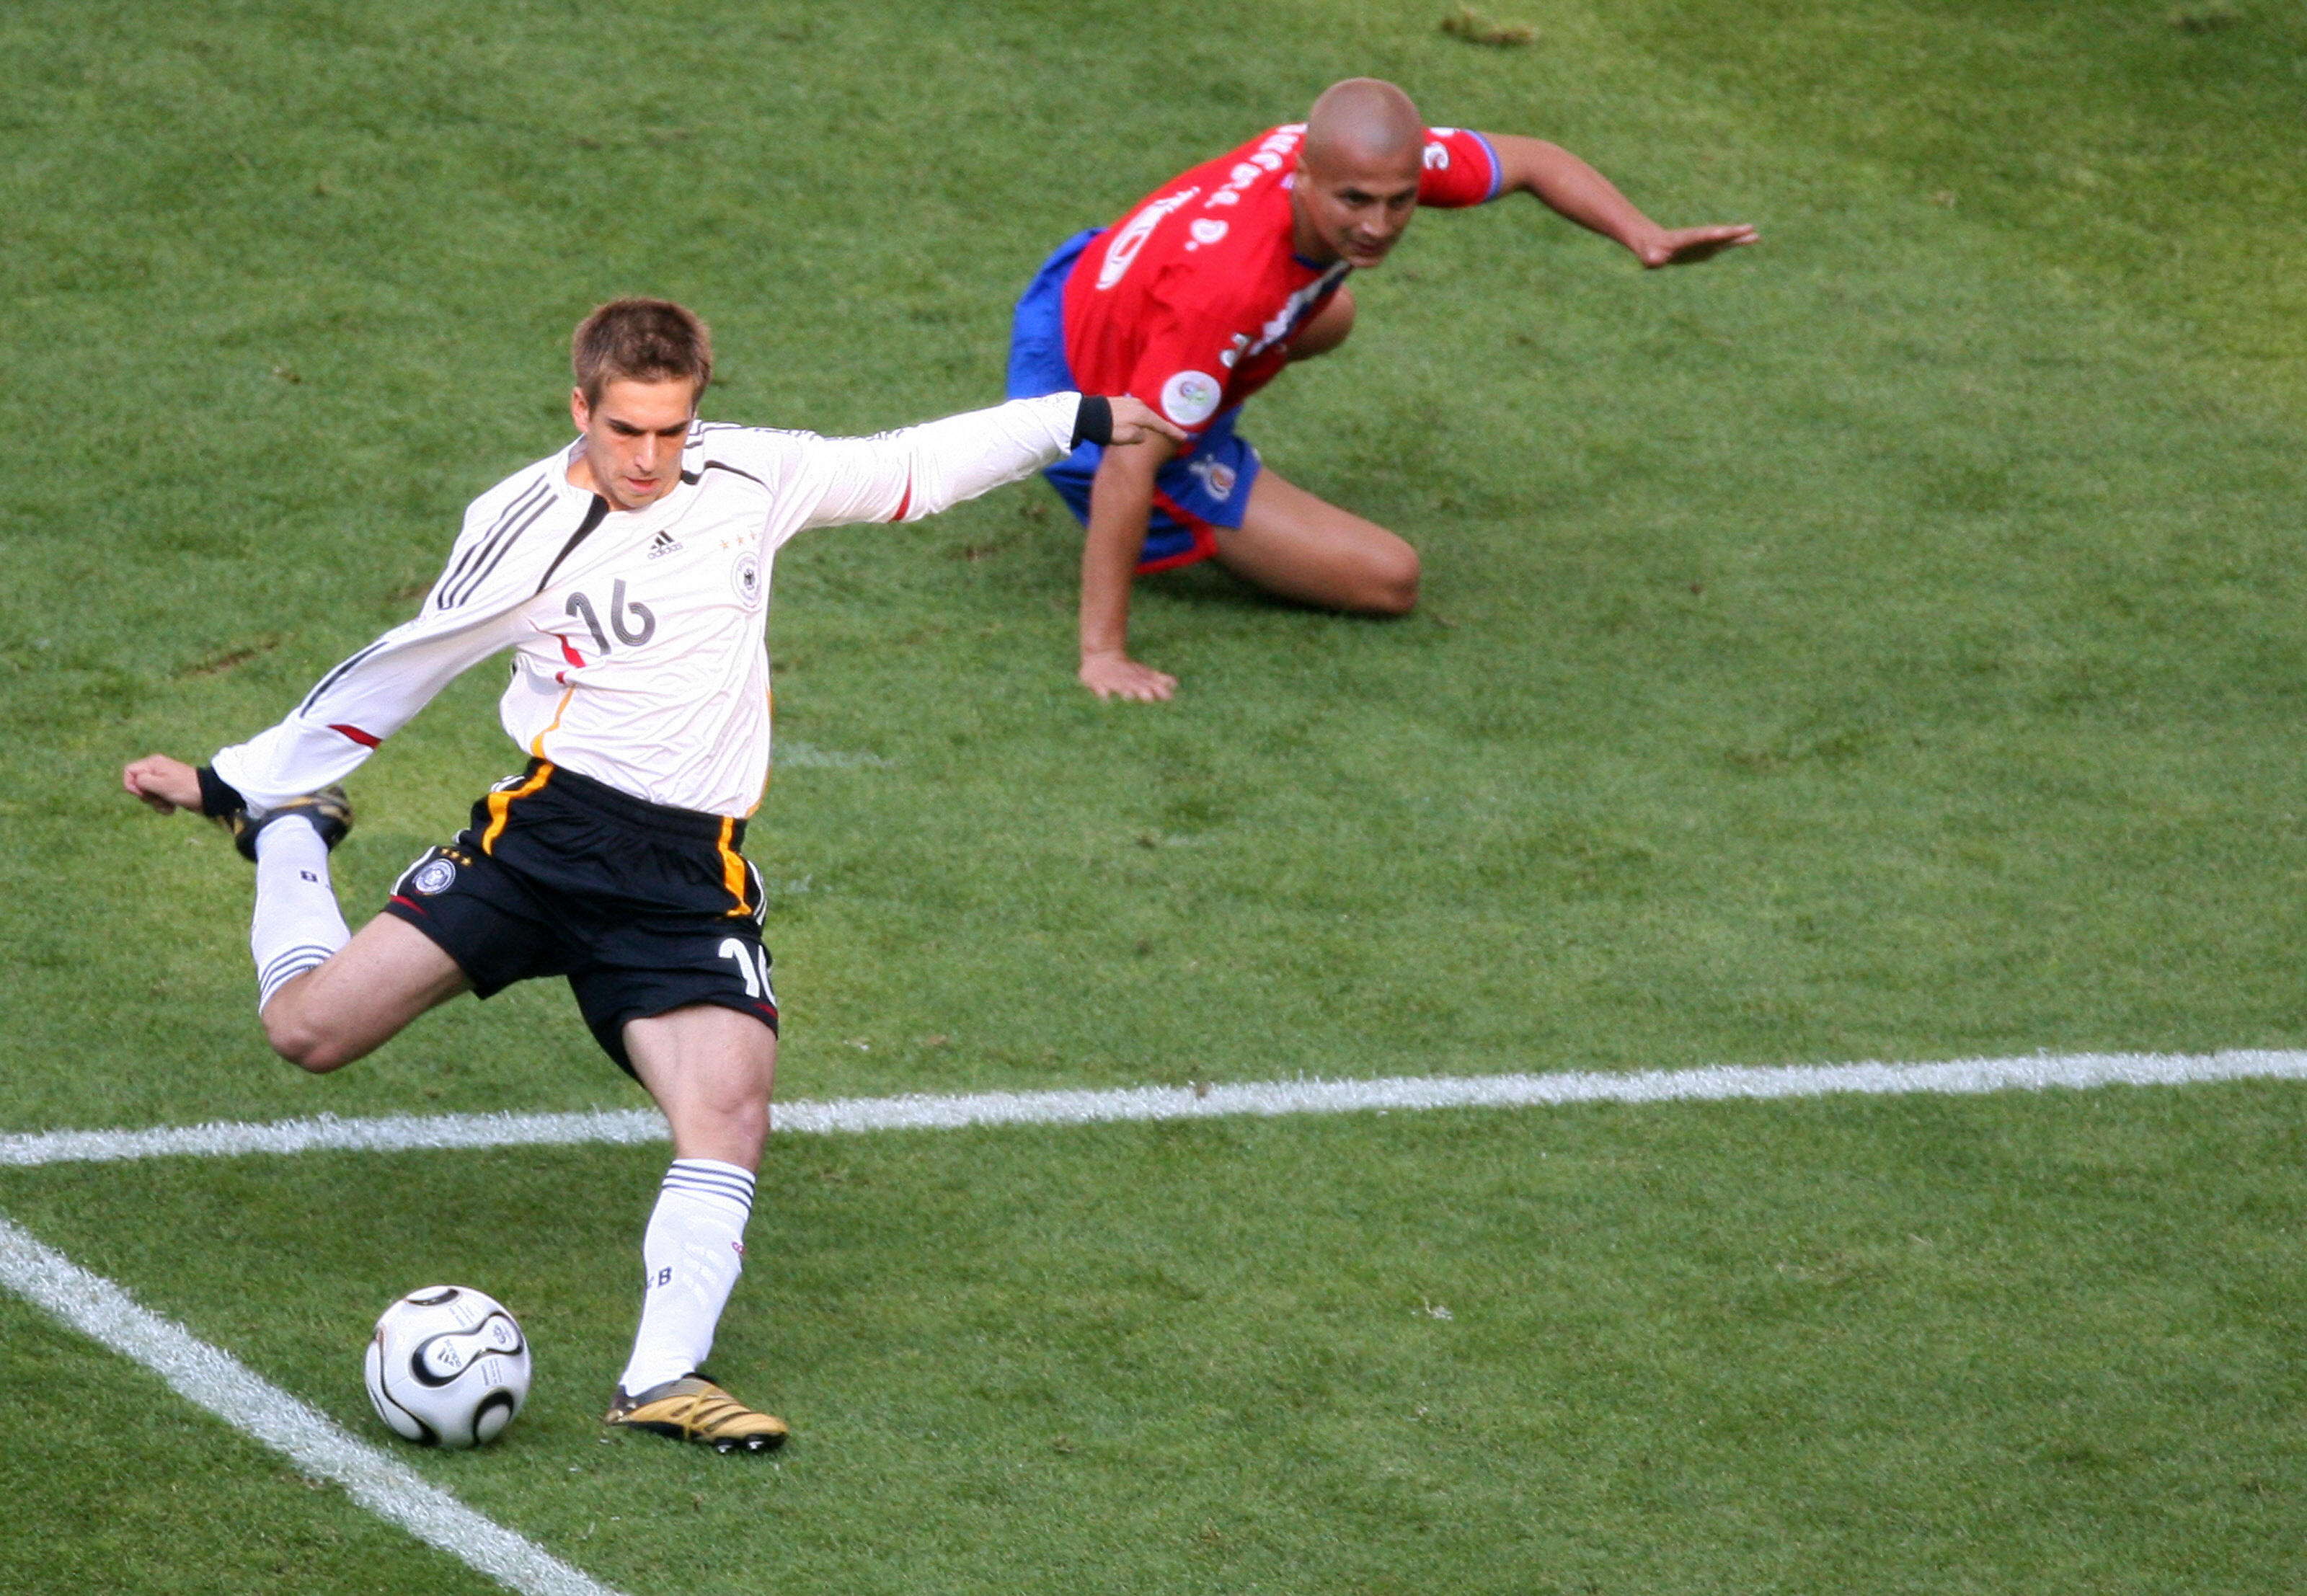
[1209,287]
[627,573]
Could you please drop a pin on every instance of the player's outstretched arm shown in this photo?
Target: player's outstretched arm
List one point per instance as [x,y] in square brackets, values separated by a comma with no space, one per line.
[358,704]
[918,471]
[1120,504]
[164,784]
[1569,187]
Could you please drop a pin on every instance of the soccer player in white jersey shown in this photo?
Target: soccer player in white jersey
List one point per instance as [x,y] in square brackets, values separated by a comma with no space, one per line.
[629,574]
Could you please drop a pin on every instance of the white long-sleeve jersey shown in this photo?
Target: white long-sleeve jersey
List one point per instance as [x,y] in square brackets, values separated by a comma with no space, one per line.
[640,656]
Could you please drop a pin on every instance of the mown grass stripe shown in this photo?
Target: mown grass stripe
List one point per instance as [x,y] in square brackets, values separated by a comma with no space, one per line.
[848,1116]
[214,1380]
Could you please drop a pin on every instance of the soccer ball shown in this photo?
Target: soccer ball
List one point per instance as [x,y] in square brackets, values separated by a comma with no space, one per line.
[447,1367]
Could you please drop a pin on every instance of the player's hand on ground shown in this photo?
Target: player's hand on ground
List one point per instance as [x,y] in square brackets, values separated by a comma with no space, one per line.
[167,785]
[1119,676]
[1134,420]
[1687,246]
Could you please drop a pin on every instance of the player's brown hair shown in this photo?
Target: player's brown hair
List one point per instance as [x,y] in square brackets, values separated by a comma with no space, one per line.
[652,341]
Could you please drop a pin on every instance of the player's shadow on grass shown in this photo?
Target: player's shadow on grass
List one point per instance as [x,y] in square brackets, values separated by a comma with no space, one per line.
[1207,585]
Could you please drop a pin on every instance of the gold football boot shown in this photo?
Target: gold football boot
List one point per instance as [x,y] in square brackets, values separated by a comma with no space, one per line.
[692,1408]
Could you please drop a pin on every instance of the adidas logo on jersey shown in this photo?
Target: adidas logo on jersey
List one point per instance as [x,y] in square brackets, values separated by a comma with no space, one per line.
[663,543]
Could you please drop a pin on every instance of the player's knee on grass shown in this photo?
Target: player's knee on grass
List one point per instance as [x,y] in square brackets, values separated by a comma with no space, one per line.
[1390,586]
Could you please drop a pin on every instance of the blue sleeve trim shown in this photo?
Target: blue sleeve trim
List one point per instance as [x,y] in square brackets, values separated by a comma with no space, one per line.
[1498,166]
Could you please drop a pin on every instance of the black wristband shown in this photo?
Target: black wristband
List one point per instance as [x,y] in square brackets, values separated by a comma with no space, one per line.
[219,797]
[1094,422]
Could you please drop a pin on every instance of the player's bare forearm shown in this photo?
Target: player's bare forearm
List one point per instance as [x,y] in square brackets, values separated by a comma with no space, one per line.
[1575,190]
[164,784]
[1120,504]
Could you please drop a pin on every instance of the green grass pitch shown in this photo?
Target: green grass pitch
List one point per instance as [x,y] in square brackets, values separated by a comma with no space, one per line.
[1886,643]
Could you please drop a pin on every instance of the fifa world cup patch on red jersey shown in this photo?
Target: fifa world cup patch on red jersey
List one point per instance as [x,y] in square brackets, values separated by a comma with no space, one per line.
[1191,398]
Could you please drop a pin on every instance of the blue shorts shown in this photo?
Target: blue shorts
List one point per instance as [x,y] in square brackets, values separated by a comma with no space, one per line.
[1194,494]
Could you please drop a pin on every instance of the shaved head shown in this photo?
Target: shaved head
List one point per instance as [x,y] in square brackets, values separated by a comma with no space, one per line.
[1357,172]
[1363,123]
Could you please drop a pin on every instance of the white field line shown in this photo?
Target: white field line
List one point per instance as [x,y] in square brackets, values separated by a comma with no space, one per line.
[215,1380]
[224,1386]
[2035,1073]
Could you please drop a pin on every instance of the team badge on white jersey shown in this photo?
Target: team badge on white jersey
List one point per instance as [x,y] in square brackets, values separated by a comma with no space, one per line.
[745,577]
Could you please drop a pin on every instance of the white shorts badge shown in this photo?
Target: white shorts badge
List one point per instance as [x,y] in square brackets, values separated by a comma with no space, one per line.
[1191,398]
[433,877]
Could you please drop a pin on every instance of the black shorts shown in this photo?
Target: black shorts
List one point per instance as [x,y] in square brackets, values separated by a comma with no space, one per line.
[643,907]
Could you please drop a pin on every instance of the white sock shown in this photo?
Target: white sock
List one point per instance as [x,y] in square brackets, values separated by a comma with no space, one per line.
[693,1250]
[297,924]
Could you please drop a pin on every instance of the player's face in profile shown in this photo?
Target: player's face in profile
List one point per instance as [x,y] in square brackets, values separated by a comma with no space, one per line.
[632,438]
[1353,209]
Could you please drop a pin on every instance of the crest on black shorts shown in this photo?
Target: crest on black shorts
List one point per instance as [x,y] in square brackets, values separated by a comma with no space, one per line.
[432,877]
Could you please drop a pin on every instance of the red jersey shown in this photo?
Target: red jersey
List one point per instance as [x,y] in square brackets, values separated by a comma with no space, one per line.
[1191,301]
